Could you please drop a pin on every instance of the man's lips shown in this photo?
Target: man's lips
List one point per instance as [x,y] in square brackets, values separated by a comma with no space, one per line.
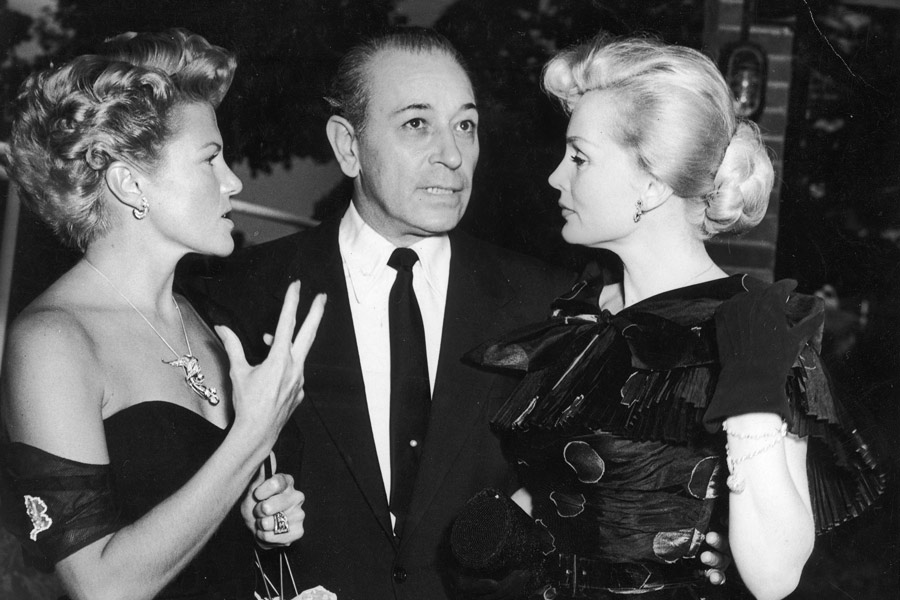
[440,190]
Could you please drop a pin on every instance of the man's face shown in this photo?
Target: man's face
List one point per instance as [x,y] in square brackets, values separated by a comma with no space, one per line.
[418,150]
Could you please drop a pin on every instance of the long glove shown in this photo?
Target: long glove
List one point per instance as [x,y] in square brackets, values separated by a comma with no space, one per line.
[757,348]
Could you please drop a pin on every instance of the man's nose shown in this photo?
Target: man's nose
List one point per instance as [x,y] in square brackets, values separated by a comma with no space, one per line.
[446,150]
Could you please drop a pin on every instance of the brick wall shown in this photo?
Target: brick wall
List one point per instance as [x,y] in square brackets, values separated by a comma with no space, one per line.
[754,251]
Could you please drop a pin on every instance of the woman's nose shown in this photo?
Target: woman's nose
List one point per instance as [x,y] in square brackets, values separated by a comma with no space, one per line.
[556,178]
[231,183]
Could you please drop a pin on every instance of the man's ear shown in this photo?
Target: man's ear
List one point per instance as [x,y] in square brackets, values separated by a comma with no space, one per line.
[123,182]
[344,144]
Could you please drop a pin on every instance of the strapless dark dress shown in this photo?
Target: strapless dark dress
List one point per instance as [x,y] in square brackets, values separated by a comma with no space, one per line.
[154,449]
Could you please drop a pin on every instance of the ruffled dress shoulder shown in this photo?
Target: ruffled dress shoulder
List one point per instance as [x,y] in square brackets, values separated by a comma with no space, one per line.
[56,506]
[607,424]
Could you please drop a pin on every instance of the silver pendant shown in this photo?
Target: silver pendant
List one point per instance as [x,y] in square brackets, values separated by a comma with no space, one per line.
[194,378]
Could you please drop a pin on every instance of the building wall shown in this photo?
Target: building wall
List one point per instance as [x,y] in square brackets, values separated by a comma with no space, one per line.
[754,252]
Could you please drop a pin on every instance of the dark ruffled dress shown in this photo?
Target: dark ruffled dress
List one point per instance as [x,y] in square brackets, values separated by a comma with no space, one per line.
[57,506]
[607,429]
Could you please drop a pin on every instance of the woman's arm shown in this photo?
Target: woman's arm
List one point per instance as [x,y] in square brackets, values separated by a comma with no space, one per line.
[770,520]
[61,413]
[771,525]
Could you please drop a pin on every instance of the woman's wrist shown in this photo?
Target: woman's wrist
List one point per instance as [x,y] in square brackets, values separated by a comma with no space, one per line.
[748,437]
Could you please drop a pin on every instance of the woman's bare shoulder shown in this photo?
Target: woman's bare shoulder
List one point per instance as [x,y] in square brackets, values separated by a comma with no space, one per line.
[52,385]
[51,325]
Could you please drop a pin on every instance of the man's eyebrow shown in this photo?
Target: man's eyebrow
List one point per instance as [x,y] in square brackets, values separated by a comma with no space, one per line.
[215,145]
[414,106]
[424,106]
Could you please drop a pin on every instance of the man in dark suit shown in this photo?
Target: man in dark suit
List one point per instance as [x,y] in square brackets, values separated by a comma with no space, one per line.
[405,131]
[409,141]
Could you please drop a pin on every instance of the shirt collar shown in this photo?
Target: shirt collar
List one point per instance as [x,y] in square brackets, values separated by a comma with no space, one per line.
[365,254]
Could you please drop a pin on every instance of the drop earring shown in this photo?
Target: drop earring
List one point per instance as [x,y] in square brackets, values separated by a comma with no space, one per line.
[638,210]
[140,213]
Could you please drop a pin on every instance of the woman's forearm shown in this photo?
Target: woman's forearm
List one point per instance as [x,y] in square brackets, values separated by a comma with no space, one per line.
[770,520]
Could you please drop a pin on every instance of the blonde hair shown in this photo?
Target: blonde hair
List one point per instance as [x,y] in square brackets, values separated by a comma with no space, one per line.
[73,121]
[676,116]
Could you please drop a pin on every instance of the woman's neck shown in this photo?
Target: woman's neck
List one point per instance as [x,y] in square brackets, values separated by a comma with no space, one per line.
[663,265]
[142,276]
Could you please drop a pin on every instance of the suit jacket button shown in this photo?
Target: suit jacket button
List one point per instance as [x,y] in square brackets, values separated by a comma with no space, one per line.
[399,574]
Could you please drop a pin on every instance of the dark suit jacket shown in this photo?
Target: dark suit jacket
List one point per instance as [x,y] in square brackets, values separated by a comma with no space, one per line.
[348,545]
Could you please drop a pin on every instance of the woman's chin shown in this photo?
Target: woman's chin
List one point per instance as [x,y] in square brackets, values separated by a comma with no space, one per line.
[573,235]
[224,249]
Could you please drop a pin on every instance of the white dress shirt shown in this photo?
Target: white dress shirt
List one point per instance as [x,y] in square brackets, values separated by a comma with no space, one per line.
[365,254]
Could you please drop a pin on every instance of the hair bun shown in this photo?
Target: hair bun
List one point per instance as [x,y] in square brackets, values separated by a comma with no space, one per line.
[743,184]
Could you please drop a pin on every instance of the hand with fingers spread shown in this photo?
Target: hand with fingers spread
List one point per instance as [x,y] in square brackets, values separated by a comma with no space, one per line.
[273,509]
[264,396]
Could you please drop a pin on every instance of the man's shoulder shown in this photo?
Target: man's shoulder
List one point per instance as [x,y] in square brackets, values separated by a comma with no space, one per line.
[281,250]
[517,268]
[272,257]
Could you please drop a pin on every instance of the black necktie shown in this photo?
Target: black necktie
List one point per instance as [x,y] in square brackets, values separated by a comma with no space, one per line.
[410,390]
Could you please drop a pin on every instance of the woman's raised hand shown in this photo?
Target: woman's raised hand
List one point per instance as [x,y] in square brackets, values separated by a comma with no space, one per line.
[264,396]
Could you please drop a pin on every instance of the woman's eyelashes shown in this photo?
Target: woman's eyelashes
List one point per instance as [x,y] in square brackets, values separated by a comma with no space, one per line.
[577,160]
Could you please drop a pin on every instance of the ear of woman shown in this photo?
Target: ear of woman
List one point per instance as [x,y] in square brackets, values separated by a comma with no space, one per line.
[123,182]
[655,194]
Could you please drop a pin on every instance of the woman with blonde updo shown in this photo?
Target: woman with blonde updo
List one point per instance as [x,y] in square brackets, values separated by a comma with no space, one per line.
[131,432]
[618,424]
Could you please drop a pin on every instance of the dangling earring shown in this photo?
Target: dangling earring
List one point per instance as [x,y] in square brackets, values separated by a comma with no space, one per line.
[140,213]
[638,210]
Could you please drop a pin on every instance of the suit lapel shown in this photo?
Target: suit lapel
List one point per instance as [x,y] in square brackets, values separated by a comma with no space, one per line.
[334,383]
[476,292]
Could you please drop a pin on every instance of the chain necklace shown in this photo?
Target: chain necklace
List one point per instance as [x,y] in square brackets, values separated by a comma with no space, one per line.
[703,272]
[188,362]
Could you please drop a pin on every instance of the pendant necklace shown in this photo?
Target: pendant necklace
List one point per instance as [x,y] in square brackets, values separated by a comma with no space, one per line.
[188,362]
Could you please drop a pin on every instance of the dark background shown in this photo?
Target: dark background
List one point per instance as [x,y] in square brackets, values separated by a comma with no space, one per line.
[839,214]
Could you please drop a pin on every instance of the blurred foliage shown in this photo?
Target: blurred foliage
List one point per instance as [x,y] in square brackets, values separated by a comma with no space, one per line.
[286,51]
[15,28]
[840,215]
[842,176]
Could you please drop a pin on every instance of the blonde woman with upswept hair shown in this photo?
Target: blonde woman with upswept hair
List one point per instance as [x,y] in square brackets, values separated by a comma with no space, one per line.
[133,433]
[658,401]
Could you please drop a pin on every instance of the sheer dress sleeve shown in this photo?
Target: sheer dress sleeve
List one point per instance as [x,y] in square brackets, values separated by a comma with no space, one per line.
[53,505]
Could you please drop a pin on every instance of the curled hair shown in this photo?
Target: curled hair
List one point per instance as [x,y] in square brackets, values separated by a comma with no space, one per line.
[350,88]
[676,116]
[73,121]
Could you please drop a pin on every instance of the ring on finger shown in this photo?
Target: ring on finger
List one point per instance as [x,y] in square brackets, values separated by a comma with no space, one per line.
[281,523]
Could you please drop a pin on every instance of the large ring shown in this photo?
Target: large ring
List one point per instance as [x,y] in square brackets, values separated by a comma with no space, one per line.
[281,523]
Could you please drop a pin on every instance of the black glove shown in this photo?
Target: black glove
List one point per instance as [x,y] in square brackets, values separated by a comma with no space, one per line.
[757,348]
[513,586]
